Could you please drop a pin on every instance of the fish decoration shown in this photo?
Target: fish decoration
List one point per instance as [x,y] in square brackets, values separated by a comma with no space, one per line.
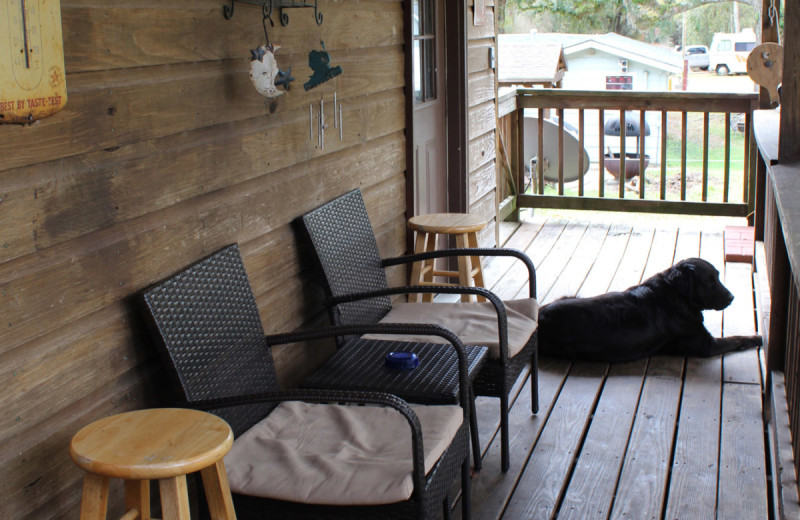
[264,71]
[319,61]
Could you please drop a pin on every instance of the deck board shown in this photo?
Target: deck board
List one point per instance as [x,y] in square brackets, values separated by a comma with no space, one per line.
[550,269]
[580,263]
[630,269]
[643,482]
[711,249]
[693,482]
[594,481]
[742,474]
[660,438]
[739,320]
[605,266]
[549,464]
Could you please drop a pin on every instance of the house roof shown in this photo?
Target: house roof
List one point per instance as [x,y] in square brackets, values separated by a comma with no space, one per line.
[611,43]
[523,60]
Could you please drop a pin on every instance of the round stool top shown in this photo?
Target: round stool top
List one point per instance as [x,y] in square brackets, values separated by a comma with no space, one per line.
[448,223]
[151,444]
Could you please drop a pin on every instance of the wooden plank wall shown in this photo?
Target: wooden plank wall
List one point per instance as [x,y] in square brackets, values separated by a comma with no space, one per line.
[482,121]
[163,154]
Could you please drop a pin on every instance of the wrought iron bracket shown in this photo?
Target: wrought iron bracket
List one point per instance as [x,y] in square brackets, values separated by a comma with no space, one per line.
[268,5]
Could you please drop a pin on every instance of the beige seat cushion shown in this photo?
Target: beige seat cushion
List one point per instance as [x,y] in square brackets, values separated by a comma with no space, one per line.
[473,323]
[336,455]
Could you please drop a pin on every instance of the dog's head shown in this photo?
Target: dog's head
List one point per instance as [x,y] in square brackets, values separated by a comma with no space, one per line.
[698,282]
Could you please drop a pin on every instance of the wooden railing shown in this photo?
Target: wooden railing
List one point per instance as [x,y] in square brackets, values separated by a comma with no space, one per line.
[688,174]
[778,225]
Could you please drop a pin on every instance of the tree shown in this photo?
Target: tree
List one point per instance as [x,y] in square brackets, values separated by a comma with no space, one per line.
[650,20]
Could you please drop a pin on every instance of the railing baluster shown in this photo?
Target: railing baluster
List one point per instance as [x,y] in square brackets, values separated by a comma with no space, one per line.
[726,179]
[641,153]
[540,153]
[663,193]
[683,155]
[622,134]
[705,156]
[581,165]
[748,128]
[601,154]
[560,113]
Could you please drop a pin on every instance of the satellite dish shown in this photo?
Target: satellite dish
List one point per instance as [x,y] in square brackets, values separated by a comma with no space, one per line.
[550,150]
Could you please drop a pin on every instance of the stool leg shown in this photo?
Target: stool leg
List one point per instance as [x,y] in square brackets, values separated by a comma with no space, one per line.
[416,268]
[476,265]
[95,497]
[137,496]
[218,493]
[464,266]
[430,245]
[174,498]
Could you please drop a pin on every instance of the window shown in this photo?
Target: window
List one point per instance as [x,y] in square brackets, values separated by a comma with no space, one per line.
[724,45]
[744,46]
[619,82]
[424,52]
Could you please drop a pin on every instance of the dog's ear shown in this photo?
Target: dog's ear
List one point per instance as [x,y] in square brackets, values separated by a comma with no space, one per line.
[681,278]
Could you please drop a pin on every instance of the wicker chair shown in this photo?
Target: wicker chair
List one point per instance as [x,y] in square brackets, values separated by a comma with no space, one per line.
[207,325]
[356,286]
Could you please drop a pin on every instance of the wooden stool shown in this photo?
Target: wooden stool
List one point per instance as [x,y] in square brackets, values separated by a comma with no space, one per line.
[163,444]
[465,227]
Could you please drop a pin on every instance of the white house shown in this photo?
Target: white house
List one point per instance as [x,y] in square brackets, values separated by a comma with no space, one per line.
[605,62]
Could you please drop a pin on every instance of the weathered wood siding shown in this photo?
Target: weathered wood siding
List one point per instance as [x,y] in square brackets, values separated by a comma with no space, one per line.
[482,117]
[163,154]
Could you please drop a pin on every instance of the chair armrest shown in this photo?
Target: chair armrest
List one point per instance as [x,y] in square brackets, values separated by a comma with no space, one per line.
[334,396]
[399,329]
[446,253]
[500,308]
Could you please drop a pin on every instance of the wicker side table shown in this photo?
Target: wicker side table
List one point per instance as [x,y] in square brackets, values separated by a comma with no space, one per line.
[465,227]
[163,444]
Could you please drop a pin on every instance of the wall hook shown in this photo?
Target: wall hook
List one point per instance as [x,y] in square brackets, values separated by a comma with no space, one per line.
[267,16]
[268,5]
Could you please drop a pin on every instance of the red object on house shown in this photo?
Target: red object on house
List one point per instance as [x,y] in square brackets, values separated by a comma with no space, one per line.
[739,244]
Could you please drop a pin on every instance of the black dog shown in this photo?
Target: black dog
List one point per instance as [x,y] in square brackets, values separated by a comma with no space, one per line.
[663,315]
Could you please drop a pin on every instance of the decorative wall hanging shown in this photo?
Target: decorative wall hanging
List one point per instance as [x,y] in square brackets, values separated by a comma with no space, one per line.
[765,67]
[264,72]
[321,125]
[320,63]
[32,77]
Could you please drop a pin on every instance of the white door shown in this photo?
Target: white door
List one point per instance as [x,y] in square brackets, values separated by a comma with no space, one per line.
[430,110]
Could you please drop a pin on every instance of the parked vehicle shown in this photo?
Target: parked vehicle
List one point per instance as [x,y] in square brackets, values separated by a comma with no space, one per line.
[697,56]
[729,51]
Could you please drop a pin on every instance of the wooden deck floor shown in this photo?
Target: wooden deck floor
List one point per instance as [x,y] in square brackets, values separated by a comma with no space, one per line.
[664,438]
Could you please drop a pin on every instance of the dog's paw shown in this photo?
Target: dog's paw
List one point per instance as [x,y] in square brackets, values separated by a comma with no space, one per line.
[741,342]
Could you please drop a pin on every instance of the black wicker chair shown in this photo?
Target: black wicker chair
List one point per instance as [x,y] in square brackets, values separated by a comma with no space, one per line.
[207,325]
[356,286]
